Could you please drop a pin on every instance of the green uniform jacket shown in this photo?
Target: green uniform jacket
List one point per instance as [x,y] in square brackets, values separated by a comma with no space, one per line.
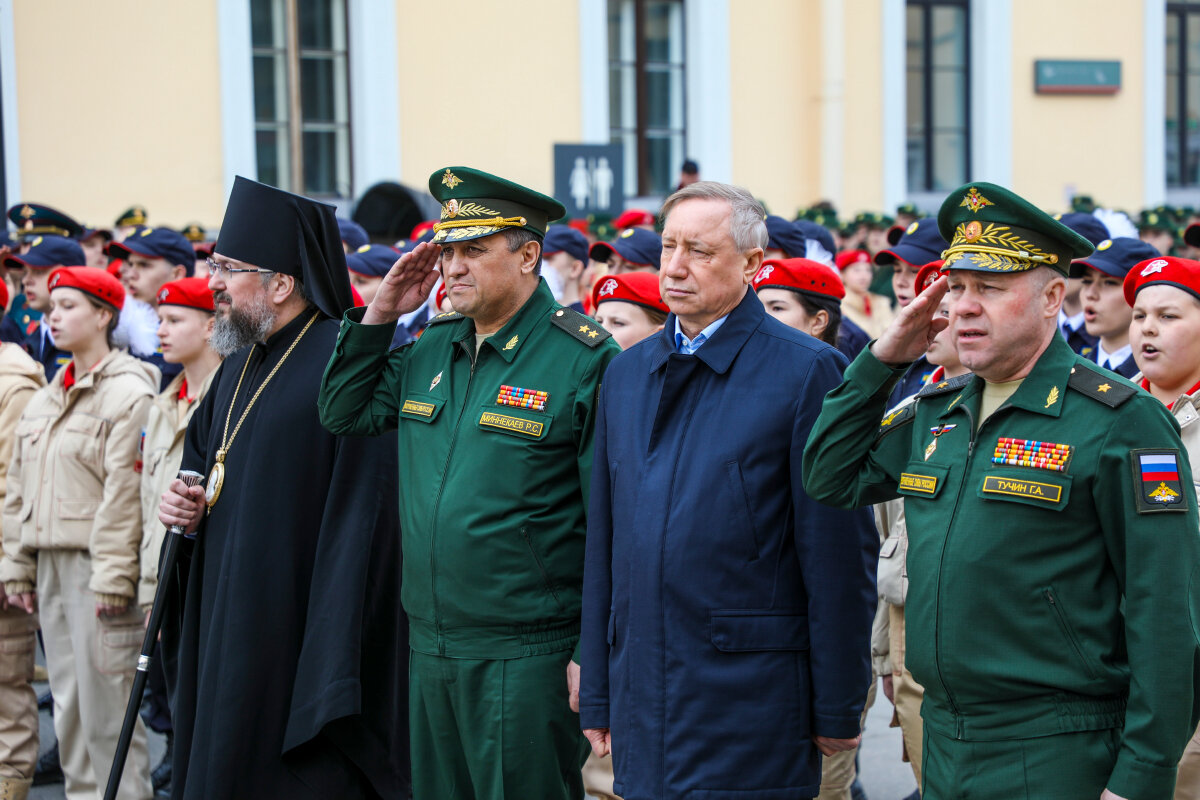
[492,495]
[1039,601]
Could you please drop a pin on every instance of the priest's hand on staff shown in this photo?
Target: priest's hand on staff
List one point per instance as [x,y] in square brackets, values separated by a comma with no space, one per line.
[25,600]
[908,336]
[182,505]
[406,286]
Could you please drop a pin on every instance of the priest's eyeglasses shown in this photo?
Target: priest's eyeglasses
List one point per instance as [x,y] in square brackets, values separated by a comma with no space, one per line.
[220,269]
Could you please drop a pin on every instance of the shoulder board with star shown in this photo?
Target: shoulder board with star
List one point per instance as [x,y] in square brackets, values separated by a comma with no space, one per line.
[448,316]
[897,418]
[1099,384]
[948,385]
[580,327]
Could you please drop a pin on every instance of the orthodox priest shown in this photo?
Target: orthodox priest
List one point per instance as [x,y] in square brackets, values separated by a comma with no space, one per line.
[286,647]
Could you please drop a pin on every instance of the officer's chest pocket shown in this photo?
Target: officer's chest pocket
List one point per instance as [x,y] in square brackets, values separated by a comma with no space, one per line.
[530,426]
[421,408]
[920,479]
[1034,487]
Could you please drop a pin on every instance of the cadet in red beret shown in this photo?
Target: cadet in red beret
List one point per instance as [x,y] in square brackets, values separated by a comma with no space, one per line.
[871,312]
[802,294]
[1165,335]
[635,218]
[78,570]
[630,306]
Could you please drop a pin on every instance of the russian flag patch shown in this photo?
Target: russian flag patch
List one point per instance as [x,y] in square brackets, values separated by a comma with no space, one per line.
[1156,477]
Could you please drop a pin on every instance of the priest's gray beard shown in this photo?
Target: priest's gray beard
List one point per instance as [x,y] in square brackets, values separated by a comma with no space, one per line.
[240,328]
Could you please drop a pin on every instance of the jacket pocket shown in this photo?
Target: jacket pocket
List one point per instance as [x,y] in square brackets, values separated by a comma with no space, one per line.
[16,657]
[1064,625]
[750,631]
[82,439]
[920,479]
[743,515]
[549,585]
[118,643]
[78,509]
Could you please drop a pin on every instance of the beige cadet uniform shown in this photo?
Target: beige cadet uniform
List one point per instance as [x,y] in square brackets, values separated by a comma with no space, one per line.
[892,580]
[162,452]
[20,377]
[1187,413]
[72,528]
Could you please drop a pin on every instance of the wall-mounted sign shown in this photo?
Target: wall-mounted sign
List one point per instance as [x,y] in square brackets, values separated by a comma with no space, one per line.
[1077,77]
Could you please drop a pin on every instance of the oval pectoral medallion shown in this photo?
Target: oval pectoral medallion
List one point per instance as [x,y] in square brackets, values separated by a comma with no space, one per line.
[212,489]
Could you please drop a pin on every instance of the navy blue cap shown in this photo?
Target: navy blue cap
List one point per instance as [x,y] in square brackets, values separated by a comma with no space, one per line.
[6,239]
[785,236]
[1115,257]
[565,239]
[1086,225]
[353,234]
[33,220]
[88,233]
[49,251]
[372,260]
[636,245]
[921,243]
[819,233]
[157,243]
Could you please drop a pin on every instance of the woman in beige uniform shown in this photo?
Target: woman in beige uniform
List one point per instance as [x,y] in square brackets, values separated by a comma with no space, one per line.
[1165,336]
[73,526]
[185,313]
[20,377]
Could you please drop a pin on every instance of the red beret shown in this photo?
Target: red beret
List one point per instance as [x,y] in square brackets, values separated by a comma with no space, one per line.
[1182,273]
[848,257]
[3,294]
[632,217]
[631,287]
[799,275]
[89,280]
[188,292]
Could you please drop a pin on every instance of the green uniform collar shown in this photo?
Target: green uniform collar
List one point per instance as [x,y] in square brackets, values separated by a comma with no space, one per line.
[1043,389]
[509,339]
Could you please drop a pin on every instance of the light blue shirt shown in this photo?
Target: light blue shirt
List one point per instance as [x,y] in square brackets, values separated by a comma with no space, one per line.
[690,346]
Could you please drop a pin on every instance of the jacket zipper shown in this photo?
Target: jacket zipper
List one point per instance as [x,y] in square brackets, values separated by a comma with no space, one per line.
[958,724]
[437,504]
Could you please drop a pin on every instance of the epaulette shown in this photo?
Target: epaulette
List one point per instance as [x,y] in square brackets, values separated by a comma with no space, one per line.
[1099,384]
[582,328]
[897,418]
[948,385]
[448,316]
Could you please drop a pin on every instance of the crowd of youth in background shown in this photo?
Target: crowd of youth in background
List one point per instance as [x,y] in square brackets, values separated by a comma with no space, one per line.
[112,337]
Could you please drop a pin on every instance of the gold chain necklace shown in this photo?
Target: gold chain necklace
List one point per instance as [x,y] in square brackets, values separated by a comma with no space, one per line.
[216,478]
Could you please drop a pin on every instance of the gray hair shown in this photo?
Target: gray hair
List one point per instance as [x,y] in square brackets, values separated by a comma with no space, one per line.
[746,225]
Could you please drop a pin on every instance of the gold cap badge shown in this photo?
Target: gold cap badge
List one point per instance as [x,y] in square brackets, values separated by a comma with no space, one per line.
[450,180]
[975,201]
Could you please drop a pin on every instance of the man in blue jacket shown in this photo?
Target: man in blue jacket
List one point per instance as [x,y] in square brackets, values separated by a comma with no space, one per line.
[726,615]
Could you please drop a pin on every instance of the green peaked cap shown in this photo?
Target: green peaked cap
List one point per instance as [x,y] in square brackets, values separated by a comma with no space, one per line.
[477,204]
[991,229]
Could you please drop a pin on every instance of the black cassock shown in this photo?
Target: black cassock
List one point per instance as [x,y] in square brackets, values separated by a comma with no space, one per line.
[284,643]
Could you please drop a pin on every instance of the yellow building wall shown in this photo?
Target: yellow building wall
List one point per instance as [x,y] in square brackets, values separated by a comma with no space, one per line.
[1091,142]
[494,94]
[774,60]
[862,132]
[119,105]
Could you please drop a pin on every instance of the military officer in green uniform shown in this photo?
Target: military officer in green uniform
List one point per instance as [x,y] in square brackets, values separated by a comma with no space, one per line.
[494,408]
[1053,542]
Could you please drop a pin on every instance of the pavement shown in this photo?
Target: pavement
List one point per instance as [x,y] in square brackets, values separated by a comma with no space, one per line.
[884,776]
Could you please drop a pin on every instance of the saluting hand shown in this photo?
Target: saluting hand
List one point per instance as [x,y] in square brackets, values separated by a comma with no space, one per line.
[406,286]
[911,332]
[182,505]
